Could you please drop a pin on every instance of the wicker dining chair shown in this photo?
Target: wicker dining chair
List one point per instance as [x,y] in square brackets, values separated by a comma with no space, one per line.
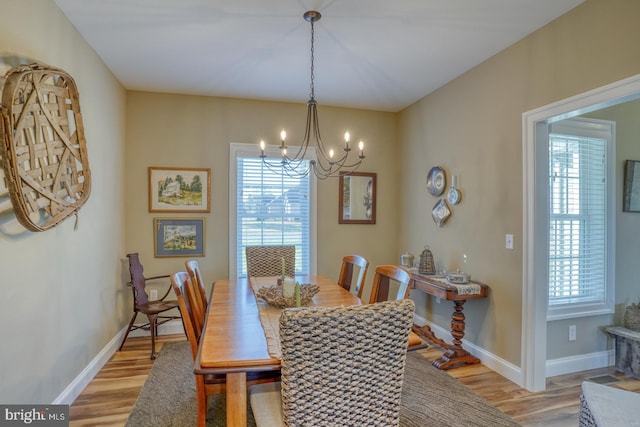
[345,279]
[265,261]
[141,304]
[341,366]
[209,384]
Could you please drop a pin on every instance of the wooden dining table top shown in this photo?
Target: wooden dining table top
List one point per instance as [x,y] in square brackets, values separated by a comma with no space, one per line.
[233,337]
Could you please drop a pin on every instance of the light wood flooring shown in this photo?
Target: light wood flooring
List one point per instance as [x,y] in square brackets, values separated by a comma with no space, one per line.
[108,399]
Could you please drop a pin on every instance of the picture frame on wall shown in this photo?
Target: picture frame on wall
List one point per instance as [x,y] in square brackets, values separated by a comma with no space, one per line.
[179,189]
[178,237]
[631,198]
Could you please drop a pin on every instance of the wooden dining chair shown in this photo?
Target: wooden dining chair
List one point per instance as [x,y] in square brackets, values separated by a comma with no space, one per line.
[141,303]
[337,375]
[209,384]
[201,294]
[345,279]
[382,283]
[265,261]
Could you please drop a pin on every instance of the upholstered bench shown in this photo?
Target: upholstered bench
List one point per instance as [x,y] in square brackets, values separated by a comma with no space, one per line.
[604,406]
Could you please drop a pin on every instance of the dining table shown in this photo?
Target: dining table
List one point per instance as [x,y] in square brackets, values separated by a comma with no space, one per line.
[233,339]
[240,335]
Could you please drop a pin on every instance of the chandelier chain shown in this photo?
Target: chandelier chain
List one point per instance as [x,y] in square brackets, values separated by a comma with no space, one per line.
[312,87]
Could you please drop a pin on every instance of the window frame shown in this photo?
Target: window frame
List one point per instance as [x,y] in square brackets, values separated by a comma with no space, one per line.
[252,150]
[602,129]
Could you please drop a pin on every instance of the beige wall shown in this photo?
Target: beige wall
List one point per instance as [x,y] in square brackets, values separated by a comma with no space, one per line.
[473,128]
[62,298]
[193,131]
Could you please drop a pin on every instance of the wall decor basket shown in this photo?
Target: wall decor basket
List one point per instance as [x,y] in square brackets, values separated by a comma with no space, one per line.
[43,147]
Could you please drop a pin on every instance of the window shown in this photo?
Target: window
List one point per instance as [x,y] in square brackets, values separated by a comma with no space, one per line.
[580,233]
[267,208]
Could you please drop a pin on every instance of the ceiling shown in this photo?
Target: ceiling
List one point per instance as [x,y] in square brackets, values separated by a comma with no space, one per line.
[371,54]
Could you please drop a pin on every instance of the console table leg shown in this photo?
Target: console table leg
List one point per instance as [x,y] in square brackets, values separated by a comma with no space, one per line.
[454,354]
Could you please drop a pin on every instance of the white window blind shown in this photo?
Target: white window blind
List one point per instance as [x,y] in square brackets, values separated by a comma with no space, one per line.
[578,213]
[271,209]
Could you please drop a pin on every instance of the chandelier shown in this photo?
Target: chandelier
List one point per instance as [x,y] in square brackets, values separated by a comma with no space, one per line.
[326,163]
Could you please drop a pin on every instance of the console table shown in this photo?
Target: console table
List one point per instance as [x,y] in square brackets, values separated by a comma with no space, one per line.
[433,285]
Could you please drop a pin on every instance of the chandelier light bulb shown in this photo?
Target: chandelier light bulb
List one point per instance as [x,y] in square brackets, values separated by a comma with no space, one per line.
[262,146]
[283,135]
[331,154]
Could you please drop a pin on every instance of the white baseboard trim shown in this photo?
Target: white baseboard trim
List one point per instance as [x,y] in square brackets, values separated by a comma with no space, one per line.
[490,360]
[73,390]
[582,362]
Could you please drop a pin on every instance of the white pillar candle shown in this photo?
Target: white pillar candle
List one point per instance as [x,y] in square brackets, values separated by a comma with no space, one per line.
[288,288]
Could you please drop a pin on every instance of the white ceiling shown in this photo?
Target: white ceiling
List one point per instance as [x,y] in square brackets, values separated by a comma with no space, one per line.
[371,54]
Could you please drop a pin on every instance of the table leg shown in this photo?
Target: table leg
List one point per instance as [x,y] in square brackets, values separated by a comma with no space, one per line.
[237,399]
[454,354]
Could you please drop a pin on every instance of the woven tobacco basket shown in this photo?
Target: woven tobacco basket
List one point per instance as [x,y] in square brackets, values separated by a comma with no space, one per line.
[44,152]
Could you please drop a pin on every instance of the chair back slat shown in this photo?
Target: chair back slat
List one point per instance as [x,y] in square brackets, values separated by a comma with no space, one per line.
[381,286]
[345,279]
[138,281]
[182,287]
[200,294]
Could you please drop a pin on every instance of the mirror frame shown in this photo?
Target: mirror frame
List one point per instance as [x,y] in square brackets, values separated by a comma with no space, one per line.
[341,194]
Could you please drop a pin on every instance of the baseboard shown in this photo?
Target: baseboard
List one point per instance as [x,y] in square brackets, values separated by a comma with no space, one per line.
[73,390]
[582,362]
[490,360]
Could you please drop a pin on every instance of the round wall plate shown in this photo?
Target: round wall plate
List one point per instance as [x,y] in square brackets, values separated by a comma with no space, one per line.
[436,181]
[453,196]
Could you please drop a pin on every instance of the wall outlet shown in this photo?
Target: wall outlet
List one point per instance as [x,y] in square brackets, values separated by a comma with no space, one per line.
[572,333]
[153,294]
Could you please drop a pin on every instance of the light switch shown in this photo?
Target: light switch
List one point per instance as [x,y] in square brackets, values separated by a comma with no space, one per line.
[509,241]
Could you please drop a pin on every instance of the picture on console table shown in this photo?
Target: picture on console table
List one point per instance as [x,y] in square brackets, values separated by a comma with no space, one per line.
[175,237]
[179,189]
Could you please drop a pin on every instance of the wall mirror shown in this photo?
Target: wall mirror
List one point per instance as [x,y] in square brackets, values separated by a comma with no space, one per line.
[357,204]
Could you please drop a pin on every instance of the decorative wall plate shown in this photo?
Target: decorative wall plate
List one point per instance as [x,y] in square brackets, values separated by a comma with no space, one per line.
[42,144]
[453,196]
[440,212]
[436,181]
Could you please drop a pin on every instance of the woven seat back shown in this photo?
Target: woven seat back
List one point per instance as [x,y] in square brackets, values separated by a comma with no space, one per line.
[344,366]
[263,261]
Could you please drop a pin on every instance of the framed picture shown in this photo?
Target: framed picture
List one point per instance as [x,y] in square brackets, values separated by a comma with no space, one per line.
[357,198]
[179,189]
[178,237]
[631,186]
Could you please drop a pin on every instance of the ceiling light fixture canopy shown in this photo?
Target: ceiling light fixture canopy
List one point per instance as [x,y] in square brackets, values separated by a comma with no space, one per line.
[325,164]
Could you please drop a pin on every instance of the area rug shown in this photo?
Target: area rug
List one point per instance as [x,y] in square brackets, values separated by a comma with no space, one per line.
[430,397]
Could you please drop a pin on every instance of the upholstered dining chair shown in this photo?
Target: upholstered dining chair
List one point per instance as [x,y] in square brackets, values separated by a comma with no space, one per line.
[337,375]
[210,384]
[141,303]
[345,279]
[200,296]
[267,260]
[382,283]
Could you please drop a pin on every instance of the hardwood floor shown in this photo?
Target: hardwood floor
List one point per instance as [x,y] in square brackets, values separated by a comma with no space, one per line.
[108,399]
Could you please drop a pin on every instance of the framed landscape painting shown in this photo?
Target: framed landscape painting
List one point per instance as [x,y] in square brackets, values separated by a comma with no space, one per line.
[178,237]
[179,189]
